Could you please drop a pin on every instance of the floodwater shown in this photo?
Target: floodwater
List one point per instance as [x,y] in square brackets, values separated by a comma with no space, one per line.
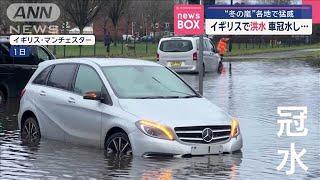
[252,92]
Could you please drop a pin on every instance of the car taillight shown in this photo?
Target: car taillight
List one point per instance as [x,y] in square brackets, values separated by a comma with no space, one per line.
[22,92]
[195,56]
[158,56]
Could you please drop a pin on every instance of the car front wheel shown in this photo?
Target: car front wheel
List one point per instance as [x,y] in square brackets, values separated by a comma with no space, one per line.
[30,131]
[118,143]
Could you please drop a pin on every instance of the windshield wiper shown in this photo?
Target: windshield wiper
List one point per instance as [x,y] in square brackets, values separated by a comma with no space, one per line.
[193,95]
[190,96]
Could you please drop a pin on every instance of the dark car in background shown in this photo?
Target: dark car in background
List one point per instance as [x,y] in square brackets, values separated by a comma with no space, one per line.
[15,72]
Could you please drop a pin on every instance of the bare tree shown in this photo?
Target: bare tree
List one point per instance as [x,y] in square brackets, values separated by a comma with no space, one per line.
[4,20]
[157,12]
[105,18]
[132,16]
[116,11]
[81,12]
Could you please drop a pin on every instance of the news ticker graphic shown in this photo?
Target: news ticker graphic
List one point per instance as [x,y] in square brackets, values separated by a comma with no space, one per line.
[258,20]
[52,39]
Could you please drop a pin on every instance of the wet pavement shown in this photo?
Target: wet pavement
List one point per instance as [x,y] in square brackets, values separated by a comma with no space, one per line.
[251,92]
[292,54]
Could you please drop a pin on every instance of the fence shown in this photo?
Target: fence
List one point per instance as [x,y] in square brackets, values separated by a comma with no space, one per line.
[147,50]
[121,49]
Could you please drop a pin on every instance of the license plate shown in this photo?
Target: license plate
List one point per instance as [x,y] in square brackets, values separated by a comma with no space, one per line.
[175,63]
[206,149]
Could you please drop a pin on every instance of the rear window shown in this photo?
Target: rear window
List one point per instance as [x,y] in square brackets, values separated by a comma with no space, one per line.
[176,46]
[42,77]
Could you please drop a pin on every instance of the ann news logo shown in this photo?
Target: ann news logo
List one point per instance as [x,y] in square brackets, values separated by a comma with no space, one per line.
[33,12]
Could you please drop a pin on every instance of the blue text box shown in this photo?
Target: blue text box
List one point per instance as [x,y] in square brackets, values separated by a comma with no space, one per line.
[19,51]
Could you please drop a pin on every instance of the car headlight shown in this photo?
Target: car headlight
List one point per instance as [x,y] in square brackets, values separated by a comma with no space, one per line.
[155,129]
[235,130]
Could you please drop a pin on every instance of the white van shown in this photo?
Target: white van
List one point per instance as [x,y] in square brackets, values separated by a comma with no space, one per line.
[182,53]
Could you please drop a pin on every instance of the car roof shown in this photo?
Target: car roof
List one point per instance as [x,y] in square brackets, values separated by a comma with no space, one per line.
[181,38]
[4,39]
[103,61]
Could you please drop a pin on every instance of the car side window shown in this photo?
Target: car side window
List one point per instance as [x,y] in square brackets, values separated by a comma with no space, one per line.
[4,54]
[62,76]
[42,77]
[209,46]
[87,80]
[205,44]
[212,47]
[42,54]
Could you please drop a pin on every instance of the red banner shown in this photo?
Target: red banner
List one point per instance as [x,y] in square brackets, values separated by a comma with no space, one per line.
[315,10]
[188,19]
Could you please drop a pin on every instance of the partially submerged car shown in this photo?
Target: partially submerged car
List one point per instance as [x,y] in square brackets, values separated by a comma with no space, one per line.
[125,106]
[182,54]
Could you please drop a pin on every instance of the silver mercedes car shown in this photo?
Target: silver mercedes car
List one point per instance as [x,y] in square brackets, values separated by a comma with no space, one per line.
[124,106]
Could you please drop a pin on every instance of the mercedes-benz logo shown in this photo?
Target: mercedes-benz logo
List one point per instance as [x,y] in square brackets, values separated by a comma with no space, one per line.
[207,134]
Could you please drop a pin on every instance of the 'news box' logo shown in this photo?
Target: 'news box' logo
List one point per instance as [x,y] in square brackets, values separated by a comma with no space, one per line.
[188,19]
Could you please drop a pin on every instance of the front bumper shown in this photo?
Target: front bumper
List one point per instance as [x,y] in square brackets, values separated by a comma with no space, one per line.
[143,145]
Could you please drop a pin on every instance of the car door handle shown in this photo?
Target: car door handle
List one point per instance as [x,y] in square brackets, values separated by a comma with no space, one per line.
[43,93]
[71,100]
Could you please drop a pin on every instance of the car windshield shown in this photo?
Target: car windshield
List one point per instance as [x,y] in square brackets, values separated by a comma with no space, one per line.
[176,46]
[146,82]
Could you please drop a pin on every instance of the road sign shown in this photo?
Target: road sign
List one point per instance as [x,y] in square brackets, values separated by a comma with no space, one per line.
[188,19]
[259,20]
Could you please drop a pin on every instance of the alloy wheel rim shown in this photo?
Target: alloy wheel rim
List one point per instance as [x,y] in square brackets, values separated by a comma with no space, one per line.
[31,133]
[119,145]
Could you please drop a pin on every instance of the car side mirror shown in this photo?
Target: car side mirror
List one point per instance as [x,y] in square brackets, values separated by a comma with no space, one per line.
[92,95]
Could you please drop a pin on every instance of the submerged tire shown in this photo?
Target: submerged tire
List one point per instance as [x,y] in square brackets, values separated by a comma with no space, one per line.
[118,143]
[30,131]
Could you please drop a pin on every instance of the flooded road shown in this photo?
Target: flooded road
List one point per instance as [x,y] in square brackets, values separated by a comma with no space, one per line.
[252,93]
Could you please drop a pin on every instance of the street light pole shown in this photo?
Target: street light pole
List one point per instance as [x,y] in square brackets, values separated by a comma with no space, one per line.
[200,61]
